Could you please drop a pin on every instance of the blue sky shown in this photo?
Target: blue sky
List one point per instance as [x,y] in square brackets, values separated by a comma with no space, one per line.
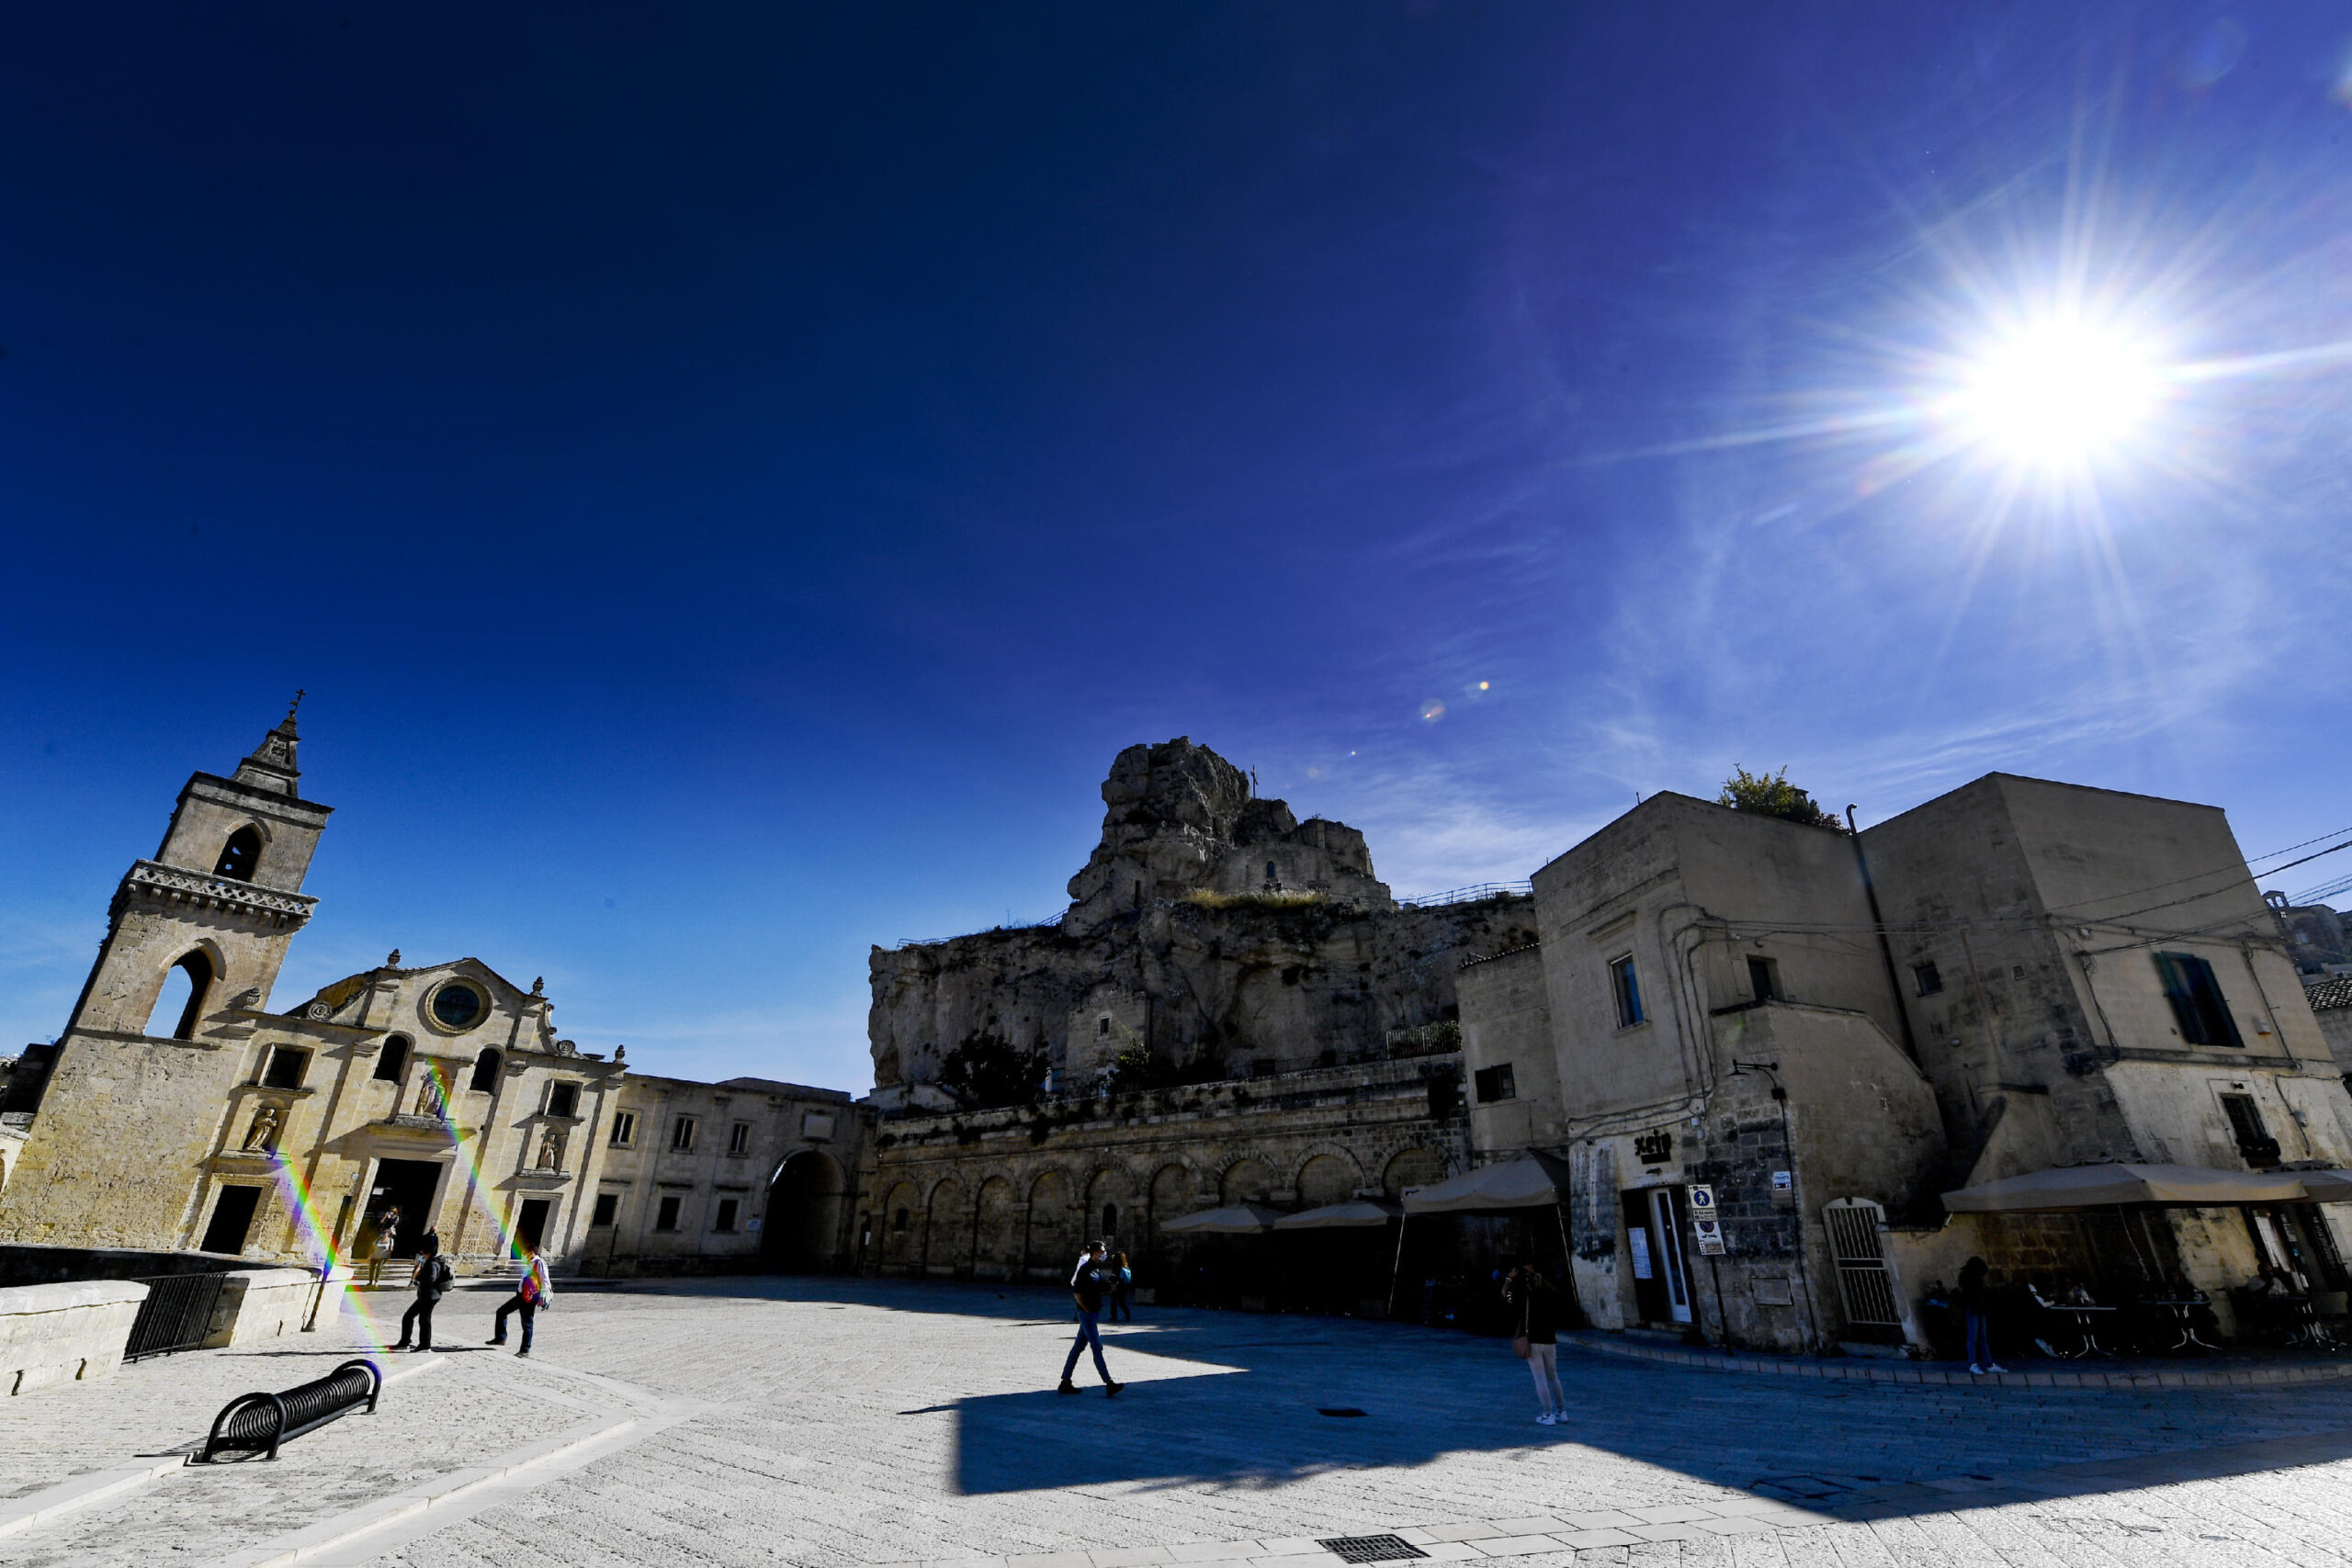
[731,480]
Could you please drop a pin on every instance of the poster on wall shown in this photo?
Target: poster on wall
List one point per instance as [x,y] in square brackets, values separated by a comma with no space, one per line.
[1641,1240]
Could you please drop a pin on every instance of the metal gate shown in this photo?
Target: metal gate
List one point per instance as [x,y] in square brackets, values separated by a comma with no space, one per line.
[176,1314]
[1862,1283]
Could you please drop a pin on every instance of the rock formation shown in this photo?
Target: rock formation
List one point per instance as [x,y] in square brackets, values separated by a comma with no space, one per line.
[1210,929]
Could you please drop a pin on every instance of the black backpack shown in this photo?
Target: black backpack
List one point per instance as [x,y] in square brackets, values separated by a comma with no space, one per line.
[438,1274]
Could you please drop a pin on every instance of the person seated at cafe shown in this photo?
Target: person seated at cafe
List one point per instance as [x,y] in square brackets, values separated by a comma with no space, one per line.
[2178,1289]
[2268,1282]
[2074,1293]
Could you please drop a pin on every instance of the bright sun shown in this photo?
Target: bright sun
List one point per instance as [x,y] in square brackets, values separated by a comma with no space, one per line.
[2059,391]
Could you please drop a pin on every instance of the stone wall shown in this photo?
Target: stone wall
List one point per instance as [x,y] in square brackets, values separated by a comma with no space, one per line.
[53,1334]
[1012,1194]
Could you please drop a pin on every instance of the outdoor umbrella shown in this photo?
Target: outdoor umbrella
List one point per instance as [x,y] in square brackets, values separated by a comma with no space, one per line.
[2108,1185]
[1539,1181]
[1536,1182]
[1237,1219]
[1363,1214]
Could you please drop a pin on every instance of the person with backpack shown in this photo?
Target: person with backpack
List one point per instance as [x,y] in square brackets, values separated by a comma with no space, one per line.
[1088,1284]
[532,1291]
[432,1277]
[1123,1291]
[1975,1300]
[1537,1338]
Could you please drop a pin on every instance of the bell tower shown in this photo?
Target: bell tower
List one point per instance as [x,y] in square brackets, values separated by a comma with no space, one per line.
[217,904]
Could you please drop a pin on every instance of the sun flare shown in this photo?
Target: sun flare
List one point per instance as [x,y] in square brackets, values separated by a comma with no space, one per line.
[2059,391]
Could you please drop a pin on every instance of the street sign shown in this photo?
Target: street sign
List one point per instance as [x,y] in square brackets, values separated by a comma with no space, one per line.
[1706,1224]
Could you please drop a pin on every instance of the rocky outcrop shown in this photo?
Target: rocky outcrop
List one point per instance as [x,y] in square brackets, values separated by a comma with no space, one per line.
[1209,927]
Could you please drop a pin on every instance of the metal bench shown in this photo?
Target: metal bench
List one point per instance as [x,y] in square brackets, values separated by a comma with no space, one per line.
[258,1423]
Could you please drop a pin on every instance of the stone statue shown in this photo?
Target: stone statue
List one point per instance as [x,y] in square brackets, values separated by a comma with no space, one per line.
[262,1136]
[551,1151]
[428,1096]
[393,959]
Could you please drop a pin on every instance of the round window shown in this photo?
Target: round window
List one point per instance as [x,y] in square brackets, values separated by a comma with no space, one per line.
[457,1006]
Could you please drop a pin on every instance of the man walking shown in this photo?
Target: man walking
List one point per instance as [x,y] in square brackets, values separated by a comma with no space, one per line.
[1088,1284]
[532,1290]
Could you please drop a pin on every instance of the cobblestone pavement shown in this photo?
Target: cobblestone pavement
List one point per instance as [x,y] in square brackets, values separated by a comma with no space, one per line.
[851,1423]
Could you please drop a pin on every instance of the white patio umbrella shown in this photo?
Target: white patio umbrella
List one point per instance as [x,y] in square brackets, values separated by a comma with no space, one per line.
[2109,1186]
[1234,1219]
[1364,1213]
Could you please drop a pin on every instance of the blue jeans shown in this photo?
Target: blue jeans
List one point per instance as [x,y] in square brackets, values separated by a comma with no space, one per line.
[1980,1339]
[1087,1334]
[516,1303]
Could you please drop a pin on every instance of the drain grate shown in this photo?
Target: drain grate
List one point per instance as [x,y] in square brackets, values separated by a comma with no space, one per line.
[1372,1547]
[1339,1410]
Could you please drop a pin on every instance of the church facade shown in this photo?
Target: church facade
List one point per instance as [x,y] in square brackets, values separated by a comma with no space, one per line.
[178,1111]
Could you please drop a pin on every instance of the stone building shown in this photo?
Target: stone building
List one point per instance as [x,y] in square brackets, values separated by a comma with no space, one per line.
[1824,1033]
[2317,938]
[178,1113]
[745,1175]
[2331,1004]
[1233,1009]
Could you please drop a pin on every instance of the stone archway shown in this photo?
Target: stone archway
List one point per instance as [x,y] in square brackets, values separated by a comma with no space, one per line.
[1245,1181]
[902,1222]
[947,1241]
[1326,1179]
[1413,1167]
[1052,1250]
[995,1247]
[801,1231]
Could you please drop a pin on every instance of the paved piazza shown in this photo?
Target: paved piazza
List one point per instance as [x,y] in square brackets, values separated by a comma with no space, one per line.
[856,1423]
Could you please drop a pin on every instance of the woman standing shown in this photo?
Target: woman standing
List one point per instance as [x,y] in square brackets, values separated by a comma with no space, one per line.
[1974,1303]
[1532,1300]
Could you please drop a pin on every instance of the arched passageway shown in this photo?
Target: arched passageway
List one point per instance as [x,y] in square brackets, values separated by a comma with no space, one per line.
[802,1229]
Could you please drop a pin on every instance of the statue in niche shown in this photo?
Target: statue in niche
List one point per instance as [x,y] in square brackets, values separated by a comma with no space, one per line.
[262,1136]
[551,1151]
[429,1101]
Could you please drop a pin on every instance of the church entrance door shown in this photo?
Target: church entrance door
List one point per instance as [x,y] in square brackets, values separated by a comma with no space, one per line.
[409,1185]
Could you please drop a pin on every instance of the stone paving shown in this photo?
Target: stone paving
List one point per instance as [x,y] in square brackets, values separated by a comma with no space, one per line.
[841,1423]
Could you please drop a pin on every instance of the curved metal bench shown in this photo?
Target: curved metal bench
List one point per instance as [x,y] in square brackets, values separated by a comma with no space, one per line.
[258,1423]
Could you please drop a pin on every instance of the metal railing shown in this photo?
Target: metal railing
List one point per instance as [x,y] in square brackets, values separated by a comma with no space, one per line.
[1470,895]
[1052,919]
[176,1314]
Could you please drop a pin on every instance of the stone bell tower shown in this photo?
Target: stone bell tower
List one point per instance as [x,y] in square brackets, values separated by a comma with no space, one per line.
[144,1078]
[217,904]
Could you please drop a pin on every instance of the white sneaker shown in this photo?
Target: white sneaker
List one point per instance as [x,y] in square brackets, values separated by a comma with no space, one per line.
[1994,1366]
[1546,1419]
[1974,1369]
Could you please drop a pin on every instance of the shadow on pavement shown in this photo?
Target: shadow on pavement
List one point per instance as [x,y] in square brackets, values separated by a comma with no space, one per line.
[1237,1399]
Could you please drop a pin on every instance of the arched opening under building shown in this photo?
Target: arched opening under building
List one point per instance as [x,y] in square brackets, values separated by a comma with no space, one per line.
[803,1224]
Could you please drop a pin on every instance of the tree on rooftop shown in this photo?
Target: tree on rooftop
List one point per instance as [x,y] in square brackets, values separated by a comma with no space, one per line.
[988,1071]
[1771,794]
